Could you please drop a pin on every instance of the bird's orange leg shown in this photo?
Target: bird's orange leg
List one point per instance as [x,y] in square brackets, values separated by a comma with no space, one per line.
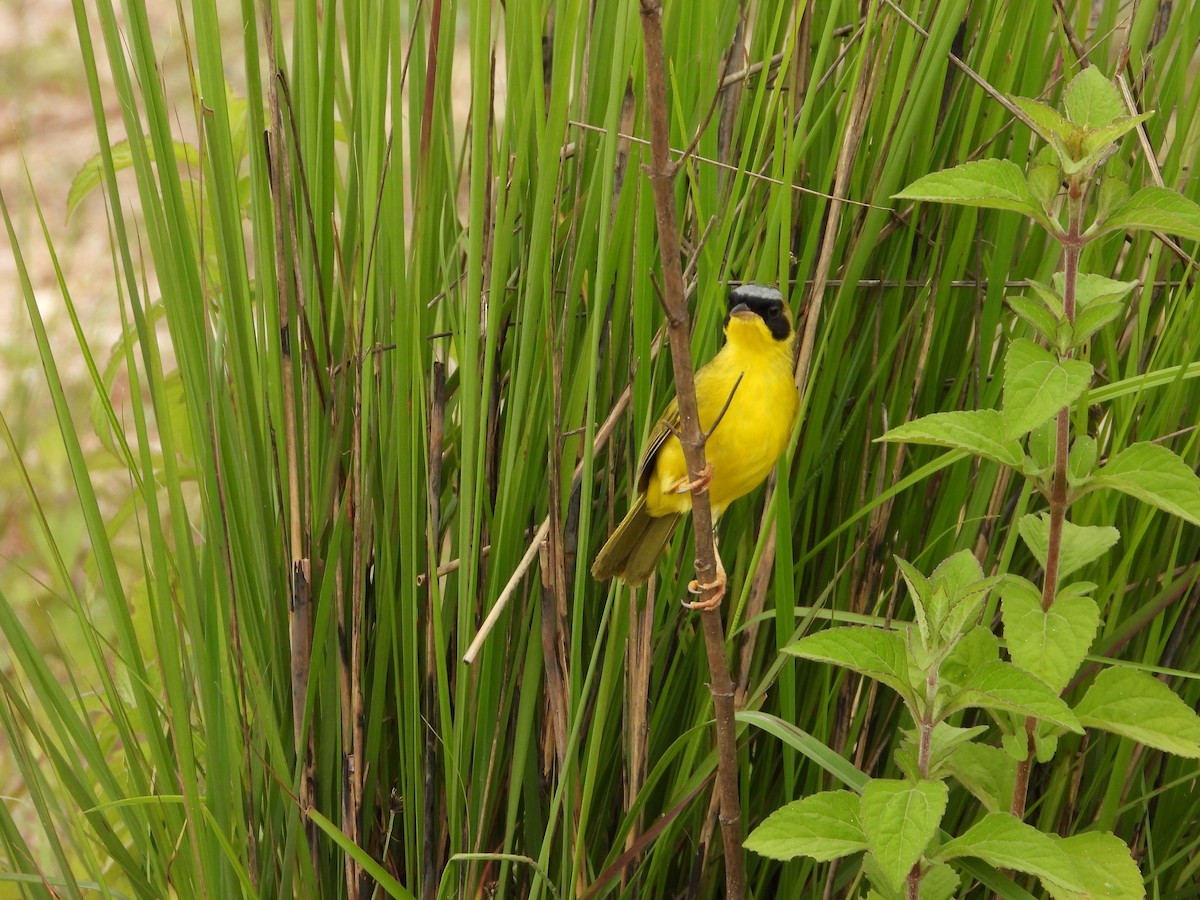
[717,585]
[683,486]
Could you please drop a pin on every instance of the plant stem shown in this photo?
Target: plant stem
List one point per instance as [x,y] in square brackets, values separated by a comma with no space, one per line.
[1072,243]
[662,179]
[924,753]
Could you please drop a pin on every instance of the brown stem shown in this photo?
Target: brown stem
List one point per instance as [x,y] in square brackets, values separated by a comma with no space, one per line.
[1072,245]
[692,441]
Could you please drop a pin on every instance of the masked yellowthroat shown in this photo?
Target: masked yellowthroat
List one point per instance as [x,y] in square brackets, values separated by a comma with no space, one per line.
[750,380]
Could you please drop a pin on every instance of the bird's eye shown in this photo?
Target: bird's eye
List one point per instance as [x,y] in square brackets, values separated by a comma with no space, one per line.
[775,309]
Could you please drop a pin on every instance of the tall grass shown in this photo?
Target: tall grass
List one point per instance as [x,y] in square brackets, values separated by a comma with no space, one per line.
[373,357]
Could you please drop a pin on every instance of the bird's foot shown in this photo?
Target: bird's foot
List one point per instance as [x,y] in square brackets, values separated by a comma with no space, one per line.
[717,586]
[683,486]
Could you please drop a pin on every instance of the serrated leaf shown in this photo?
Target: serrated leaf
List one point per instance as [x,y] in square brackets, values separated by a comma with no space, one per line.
[1081,544]
[1050,294]
[987,772]
[1154,475]
[900,818]
[1091,288]
[1001,685]
[1037,385]
[1103,865]
[960,577]
[920,590]
[1046,120]
[1006,842]
[872,652]
[1099,139]
[91,173]
[938,882]
[1092,318]
[1155,208]
[1091,100]
[1050,644]
[1035,313]
[945,739]
[1045,182]
[988,183]
[958,573]
[1135,705]
[977,649]
[822,826]
[976,431]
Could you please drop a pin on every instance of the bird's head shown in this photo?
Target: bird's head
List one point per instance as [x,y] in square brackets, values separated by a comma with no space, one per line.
[758,315]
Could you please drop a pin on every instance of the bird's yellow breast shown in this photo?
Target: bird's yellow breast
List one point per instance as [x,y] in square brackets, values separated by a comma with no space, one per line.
[751,434]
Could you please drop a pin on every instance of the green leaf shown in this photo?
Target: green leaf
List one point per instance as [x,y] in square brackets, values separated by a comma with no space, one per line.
[989,183]
[1050,644]
[1081,544]
[1042,442]
[1050,294]
[938,882]
[1001,685]
[1036,314]
[1138,706]
[1045,182]
[1154,475]
[1099,139]
[1113,192]
[958,573]
[822,826]
[959,578]
[1081,461]
[1046,120]
[921,591]
[1091,319]
[393,888]
[977,649]
[872,652]
[944,740]
[900,819]
[800,740]
[1008,843]
[1103,865]
[1156,209]
[1091,100]
[977,431]
[1037,385]
[91,173]
[1091,288]
[986,771]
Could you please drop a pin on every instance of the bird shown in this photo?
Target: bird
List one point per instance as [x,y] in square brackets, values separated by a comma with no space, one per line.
[747,402]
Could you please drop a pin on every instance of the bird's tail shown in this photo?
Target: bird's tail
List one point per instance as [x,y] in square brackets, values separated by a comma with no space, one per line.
[633,549]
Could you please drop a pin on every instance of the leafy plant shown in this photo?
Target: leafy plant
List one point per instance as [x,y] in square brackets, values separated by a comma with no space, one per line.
[945,662]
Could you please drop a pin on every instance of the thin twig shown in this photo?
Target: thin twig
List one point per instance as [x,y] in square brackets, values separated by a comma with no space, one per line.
[600,129]
[675,306]
[725,408]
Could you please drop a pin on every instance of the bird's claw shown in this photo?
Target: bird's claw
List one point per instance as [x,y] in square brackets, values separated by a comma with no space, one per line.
[683,486]
[717,586]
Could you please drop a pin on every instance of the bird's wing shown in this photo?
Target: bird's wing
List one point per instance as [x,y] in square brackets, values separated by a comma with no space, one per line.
[666,427]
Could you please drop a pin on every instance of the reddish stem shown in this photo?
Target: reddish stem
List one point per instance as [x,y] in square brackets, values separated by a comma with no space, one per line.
[1072,245]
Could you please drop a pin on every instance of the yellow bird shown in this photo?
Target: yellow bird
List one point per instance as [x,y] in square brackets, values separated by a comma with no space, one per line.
[748,391]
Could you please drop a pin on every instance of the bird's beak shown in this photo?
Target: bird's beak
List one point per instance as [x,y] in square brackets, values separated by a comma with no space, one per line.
[741,311]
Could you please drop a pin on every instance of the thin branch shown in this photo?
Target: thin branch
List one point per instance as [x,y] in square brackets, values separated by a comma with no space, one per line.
[721,687]
[725,408]
[600,129]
